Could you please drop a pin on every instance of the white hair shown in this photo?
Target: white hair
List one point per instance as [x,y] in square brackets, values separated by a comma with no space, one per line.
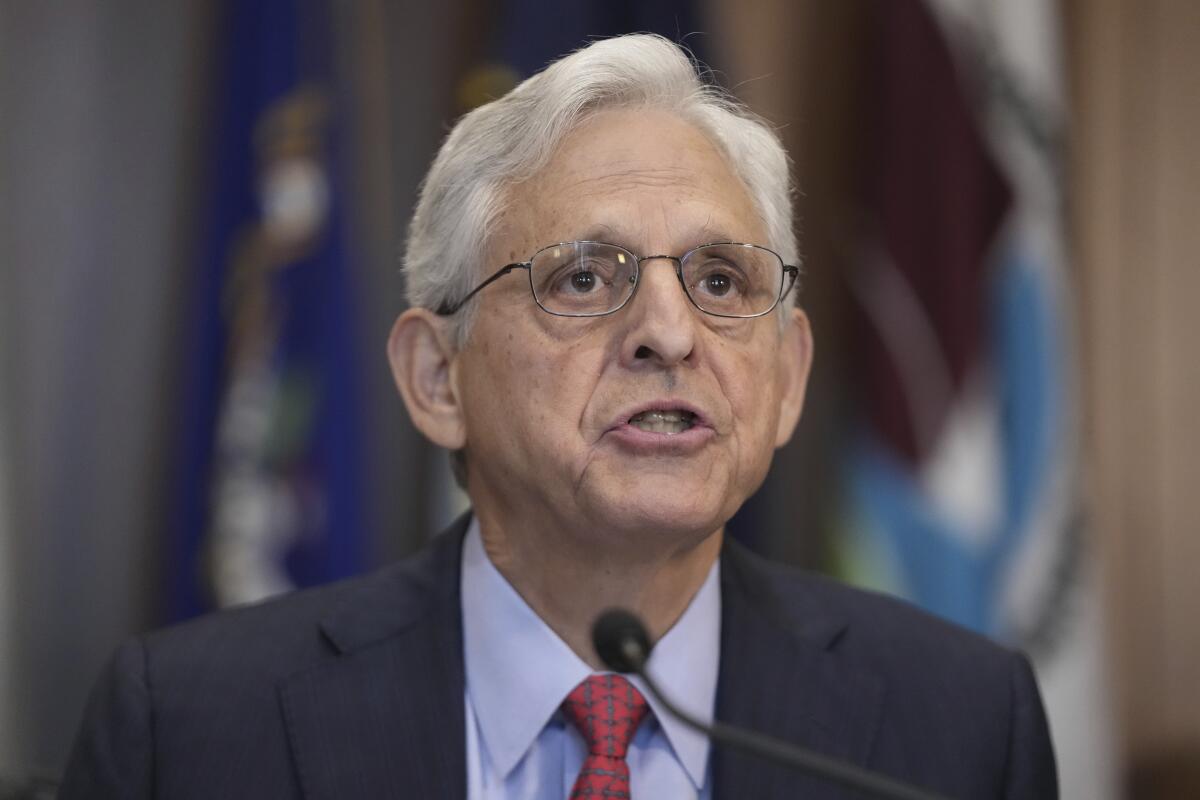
[509,139]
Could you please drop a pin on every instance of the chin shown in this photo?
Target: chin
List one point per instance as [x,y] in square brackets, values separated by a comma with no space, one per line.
[669,501]
[655,515]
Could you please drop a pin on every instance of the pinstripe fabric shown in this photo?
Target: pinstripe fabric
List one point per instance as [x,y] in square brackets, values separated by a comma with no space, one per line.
[356,690]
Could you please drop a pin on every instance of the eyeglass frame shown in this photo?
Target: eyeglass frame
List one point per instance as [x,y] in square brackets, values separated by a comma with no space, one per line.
[785,286]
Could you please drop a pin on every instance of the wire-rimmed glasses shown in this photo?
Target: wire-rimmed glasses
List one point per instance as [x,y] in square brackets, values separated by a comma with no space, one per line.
[591,279]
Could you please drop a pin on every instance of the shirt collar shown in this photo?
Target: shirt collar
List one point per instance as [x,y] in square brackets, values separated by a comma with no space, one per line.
[518,670]
[684,665]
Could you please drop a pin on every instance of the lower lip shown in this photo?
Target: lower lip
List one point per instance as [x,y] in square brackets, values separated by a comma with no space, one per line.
[645,442]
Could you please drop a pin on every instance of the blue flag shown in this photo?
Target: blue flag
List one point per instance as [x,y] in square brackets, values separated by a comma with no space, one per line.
[271,460]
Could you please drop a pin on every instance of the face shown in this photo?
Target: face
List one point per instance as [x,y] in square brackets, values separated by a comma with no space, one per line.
[579,420]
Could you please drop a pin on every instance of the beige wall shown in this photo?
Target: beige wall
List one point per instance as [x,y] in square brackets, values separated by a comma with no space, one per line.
[1135,70]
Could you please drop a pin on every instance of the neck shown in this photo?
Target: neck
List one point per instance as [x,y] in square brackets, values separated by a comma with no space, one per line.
[569,580]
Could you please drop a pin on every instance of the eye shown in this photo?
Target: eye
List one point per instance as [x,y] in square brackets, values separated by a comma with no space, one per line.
[583,281]
[719,278]
[717,284]
[581,278]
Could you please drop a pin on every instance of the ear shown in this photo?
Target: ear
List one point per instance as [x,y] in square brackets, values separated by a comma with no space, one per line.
[422,356]
[795,361]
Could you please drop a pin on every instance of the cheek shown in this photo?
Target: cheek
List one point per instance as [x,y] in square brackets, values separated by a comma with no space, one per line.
[532,385]
[753,393]
[491,399]
[561,381]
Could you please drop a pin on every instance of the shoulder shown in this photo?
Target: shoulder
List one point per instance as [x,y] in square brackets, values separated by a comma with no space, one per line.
[875,629]
[268,638]
[286,634]
[928,672]
[954,709]
[203,697]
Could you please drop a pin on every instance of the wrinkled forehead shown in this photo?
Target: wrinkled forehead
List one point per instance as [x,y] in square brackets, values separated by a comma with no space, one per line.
[640,178]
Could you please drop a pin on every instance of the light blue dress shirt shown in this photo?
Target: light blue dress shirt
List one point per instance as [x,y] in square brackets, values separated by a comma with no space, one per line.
[519,671]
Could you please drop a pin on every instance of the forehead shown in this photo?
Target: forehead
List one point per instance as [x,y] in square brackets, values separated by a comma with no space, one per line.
[644,176]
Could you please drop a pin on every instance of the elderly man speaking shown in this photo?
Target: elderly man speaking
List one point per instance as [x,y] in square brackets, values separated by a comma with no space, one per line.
[602,273]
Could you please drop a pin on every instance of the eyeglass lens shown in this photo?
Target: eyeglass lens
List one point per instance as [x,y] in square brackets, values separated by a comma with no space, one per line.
[592,278]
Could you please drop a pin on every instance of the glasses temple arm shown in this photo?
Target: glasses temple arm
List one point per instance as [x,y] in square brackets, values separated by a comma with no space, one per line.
[446,309]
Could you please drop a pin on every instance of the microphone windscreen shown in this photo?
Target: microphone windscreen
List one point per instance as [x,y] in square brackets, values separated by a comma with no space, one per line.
[619,638]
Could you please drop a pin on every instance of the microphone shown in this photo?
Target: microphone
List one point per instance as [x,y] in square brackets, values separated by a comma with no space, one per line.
[623,645]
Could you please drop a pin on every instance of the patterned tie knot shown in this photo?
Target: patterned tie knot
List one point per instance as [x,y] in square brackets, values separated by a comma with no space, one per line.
[607,710]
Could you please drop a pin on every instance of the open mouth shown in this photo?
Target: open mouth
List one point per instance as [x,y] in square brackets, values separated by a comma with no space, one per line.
[669,422]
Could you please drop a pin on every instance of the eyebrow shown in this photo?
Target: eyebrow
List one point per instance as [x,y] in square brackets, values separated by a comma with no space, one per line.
[603,232]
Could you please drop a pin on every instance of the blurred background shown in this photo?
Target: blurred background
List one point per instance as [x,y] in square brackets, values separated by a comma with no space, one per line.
[202,208]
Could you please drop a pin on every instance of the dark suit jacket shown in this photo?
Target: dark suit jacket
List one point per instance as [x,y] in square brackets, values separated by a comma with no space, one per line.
[355,690]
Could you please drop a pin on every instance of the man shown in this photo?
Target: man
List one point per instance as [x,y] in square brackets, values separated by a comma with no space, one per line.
[603,331]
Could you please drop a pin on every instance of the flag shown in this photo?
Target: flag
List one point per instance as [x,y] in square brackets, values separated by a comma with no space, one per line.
[270,476]
[962,483]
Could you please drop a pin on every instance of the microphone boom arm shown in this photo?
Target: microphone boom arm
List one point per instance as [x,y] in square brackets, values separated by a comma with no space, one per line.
[622,643]
[763,746]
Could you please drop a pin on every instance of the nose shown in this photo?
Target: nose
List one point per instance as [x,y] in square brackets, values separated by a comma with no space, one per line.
[660,318]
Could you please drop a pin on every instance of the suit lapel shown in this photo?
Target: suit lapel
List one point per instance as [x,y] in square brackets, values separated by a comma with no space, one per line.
[385,716]
[781,675]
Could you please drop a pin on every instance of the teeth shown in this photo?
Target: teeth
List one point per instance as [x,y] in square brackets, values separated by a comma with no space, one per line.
[668,422]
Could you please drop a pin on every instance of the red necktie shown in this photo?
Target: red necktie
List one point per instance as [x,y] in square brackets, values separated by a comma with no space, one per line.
[607,710]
